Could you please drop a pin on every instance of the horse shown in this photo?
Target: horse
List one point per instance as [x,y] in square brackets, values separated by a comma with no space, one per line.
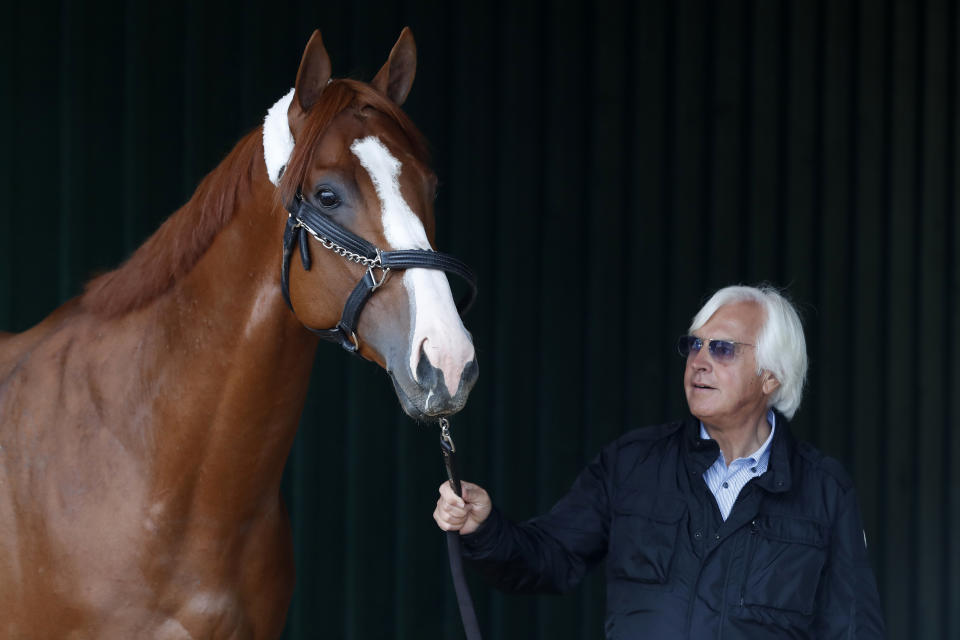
[144,424]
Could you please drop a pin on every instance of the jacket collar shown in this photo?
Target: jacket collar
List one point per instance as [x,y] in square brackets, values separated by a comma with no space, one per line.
[701,454]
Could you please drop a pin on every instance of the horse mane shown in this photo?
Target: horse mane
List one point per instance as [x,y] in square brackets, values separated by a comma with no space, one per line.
[176,247]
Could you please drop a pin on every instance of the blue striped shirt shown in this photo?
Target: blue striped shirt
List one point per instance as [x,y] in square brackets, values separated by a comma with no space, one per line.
[726,482]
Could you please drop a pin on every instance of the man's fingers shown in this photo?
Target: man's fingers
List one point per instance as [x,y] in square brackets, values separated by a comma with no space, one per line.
[455,511]
[461,514]
[446,520]
[450,511]
[473,492]
[449,497]
[446,526]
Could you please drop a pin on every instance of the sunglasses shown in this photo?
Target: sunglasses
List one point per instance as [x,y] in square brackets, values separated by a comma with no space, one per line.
[720,350]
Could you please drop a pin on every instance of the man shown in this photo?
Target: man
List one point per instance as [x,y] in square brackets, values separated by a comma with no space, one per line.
[721,525]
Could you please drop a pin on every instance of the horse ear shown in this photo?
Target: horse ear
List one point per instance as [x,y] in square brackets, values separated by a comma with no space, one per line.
[396,76]
[312,77]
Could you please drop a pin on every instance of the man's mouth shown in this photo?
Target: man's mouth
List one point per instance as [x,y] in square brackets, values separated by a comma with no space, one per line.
[697,385]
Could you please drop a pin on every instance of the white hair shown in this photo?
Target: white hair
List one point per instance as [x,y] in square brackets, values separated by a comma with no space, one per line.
[781,347]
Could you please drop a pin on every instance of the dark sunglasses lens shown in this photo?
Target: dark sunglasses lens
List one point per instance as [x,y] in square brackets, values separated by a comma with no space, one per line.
[722,349]
[686,344]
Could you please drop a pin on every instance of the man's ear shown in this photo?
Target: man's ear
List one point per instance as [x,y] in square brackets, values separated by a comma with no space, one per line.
[770,383]
[396,76]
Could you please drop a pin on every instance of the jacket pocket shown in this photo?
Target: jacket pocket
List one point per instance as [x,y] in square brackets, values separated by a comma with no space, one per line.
[784,562]
[642,538]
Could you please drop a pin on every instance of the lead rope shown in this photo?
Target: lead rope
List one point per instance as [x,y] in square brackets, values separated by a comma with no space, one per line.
[467,614]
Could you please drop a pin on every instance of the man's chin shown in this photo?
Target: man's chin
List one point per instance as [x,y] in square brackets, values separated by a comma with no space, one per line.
[705,412]
[702,402]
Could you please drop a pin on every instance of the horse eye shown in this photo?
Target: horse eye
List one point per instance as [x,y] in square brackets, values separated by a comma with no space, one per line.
[327,198]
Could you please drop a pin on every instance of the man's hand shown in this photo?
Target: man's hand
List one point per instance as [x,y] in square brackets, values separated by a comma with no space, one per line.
[463,515]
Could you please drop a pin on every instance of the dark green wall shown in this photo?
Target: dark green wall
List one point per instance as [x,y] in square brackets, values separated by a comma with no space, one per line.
[604,167]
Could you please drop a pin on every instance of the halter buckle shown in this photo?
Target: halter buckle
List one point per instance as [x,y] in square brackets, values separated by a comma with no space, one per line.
[378,263]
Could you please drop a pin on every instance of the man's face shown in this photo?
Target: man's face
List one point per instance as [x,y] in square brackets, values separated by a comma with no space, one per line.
[728,394]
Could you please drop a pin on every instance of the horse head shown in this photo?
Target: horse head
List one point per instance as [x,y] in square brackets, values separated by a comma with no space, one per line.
[348,152]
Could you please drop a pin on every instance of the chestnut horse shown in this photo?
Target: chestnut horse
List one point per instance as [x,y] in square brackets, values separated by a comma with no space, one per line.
[144,425]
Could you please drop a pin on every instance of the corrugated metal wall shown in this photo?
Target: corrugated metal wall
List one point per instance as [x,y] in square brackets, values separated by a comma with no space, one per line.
[604,167]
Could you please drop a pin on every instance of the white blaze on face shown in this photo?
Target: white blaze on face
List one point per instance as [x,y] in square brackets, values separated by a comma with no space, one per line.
[435,322]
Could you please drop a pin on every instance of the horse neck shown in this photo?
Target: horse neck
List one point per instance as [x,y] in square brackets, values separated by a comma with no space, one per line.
[230,367]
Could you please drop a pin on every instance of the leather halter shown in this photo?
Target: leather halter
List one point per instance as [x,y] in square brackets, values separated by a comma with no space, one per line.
[305,218]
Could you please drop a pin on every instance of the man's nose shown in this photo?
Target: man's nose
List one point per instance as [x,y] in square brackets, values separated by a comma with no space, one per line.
[700,359]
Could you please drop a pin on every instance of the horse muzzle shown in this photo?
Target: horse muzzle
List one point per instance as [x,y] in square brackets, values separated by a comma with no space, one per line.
[427,395]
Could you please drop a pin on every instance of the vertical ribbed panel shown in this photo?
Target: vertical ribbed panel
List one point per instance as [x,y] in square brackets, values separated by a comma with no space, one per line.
[603,168]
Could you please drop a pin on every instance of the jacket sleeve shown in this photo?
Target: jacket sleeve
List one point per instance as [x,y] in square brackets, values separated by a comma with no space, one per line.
[848,603]
[550,553]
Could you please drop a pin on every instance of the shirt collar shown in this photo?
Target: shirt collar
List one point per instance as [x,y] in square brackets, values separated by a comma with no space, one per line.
[758,454]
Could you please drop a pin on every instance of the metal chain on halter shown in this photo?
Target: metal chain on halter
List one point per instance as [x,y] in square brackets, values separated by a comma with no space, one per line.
[467,614]
[370,263]
[341,251]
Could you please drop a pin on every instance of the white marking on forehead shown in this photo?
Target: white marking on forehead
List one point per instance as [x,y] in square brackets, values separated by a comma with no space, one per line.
[401,226]
[277,139]
[435,325]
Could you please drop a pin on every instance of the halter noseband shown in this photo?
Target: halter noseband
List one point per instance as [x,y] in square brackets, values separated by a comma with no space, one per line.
[304,218]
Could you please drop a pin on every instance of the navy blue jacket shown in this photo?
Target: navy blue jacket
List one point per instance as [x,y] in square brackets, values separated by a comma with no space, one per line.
[789,562]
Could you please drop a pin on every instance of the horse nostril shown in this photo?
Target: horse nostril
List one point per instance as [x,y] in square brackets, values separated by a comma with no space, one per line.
[470,374]
[428,376]
[430,394]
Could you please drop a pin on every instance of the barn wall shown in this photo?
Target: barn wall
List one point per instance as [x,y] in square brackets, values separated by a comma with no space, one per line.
[604,167]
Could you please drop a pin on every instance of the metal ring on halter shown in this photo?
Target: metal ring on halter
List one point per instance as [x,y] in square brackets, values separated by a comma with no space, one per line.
[356,343]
